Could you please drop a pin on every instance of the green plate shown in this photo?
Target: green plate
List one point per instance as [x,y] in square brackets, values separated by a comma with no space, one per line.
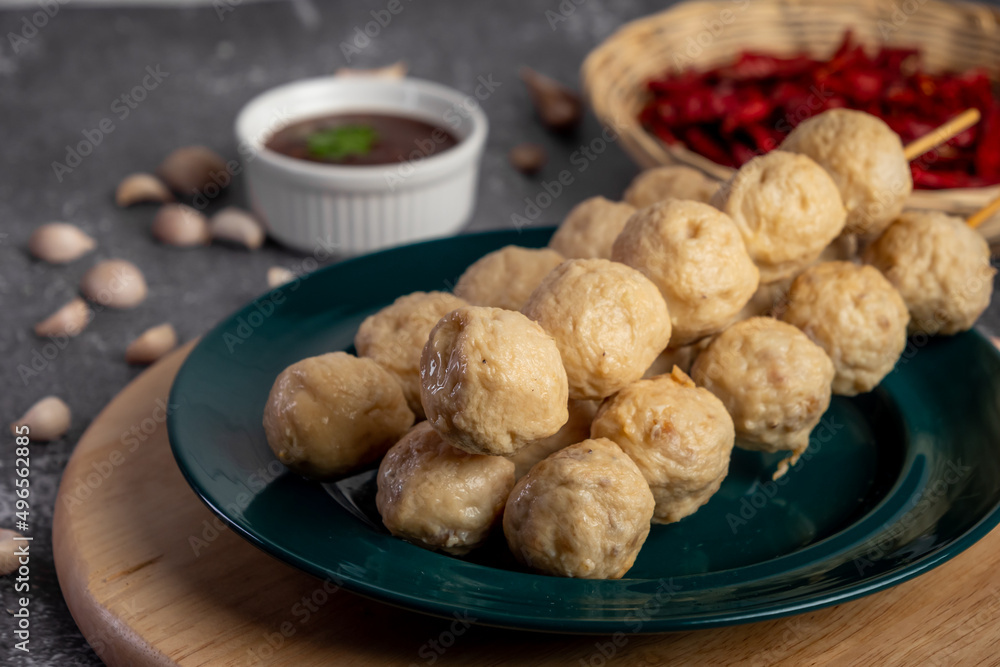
[895,482]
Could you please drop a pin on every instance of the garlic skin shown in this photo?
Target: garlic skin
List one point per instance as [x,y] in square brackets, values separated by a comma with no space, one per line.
[559,107]
[115,283]
[151,344]
[190,169]
[60,243]
[140,188]
[396,70]
[278,276]
[181,226]
[8,560]
[69,320]
[47,420]
[234,225]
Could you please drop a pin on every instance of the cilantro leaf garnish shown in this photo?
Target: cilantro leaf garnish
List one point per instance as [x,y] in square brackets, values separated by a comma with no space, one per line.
[337,143]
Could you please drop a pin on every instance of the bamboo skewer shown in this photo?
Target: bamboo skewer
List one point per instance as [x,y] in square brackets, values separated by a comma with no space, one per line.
[983,214]
[945,132]
[949,130]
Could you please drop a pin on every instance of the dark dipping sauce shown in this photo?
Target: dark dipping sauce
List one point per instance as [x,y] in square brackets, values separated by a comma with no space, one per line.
[361,139]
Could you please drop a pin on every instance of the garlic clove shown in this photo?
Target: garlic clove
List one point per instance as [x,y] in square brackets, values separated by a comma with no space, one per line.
[47,420]
[237,226]
[60,242]
[527,158]
[115,283]
[151,344]
[9,562]
[397,70]
[69,320]
[181,226]
[139,188]
[278,276]
[559,107]
[191,169]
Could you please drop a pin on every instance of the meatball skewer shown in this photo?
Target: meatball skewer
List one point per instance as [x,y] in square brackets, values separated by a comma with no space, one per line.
[695,255]
[867,161]
[788,210]
[774,381]
[941,266]
[856,315]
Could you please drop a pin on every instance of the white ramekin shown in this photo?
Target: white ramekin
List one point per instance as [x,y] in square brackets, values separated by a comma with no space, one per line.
[354,209]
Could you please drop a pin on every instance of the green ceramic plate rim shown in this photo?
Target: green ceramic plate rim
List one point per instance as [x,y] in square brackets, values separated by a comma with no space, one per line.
[540,622]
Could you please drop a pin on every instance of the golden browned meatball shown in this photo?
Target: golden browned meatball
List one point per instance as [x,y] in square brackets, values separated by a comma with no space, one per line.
[669,182]
[505,278]
[581,413]
[331,414]
[492,381]
[940,266]
[440,497]
[773,380]
[590,228]
[856,316]
[865,158]
[679,435]
[695,255]
[787,208]
[608,320]
[395,337]
[582,512]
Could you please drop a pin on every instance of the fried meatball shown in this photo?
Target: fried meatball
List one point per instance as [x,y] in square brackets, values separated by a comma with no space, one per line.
[856,316]
[679,435]
[695,255]
[395,337]
[773,380]
[770,300]
[331,414]
[581,413]
[940,266]
[669,182]
[865,158]
[608,320]
[440,497]
[491,381]
[788,210]
[591,228]
[582,512]
[505,278]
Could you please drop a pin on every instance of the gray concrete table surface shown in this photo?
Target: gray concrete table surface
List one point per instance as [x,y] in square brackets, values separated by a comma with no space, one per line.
[59,82]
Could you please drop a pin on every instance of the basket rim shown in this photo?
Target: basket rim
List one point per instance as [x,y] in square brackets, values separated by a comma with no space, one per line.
[647,150]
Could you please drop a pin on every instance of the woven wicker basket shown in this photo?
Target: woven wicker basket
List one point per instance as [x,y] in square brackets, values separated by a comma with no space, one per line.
[705,33]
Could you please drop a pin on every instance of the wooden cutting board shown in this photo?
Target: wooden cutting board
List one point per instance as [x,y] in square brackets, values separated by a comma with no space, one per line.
[153,578]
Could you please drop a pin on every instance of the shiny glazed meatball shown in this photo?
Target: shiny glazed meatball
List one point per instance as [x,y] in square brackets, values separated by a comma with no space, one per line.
[440,497]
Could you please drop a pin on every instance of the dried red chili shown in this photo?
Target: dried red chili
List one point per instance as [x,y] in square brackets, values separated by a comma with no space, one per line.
[741,109]
[987,156]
